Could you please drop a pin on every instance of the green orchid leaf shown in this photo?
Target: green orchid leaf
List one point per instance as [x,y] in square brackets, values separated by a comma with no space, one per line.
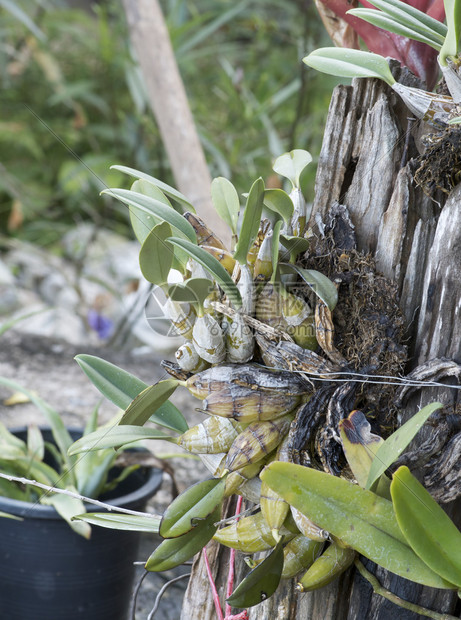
[428,529]
[171,192]
[147,402]
[379,19]
[261,582]
[155,207]
[394,445]
[452,44]
[156,255]
[117,385]
[359,445]
[213,266]
[411,16]
[279,202]
[116,437]
[226,201]
[169,416]
[200,288]
[294,244]
[349,63]
[322,286]
[251,221]
[192,506]
[67,507]
[360,519]
[275,247]
[400,21]
[120,521]
[290,165]
[180,293]
[121,388]
[455,121]
[175,551]
[142,222]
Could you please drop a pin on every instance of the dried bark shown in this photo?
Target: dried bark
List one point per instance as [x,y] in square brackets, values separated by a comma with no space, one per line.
[417,243]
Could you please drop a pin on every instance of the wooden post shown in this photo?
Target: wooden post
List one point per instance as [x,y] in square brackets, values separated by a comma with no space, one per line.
[416,243]
[151,41]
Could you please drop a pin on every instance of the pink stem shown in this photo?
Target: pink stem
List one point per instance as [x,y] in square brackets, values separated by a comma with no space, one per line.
[231,574]
[217,603]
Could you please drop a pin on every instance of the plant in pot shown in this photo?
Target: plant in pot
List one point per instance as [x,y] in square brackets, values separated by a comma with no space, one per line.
[51,566]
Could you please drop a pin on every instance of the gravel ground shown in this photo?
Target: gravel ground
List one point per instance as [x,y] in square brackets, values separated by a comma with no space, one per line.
[47,367]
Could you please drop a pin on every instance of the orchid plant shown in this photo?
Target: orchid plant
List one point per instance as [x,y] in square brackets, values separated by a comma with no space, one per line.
[398,22]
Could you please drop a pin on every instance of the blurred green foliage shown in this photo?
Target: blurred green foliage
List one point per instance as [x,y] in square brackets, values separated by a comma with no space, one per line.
[73,101]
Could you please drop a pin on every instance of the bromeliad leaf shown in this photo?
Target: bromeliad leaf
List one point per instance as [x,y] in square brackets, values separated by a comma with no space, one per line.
[175,551]
[157,208]
[120,521]
[394,445]
[349,63]
[117,385]
[192,506]
[156,255]
[148,401]
[213,266]
[226,201]
[290,165]
[251,221]
[116,437]
[322,286]
[166,189]
[429,531]
[261,582]
[360,519]
[278,201]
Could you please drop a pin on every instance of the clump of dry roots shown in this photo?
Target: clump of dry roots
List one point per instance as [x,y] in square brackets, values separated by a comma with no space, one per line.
[439,167]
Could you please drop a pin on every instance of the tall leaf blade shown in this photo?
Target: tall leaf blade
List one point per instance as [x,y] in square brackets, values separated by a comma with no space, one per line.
[376,18]
[156,255]
[226,201]
[115,437]
[406,12]
[251,221]
[158,208]
[166,189]
[148,401]
[394,445]
[142,222]
[428,529]
[116,384]
[349,63]
[213,266]
[120,521]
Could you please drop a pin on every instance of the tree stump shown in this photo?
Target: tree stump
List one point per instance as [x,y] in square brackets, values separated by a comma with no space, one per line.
[416,242]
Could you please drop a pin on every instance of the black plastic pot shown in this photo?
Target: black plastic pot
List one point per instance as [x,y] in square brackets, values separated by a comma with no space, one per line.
[48,572]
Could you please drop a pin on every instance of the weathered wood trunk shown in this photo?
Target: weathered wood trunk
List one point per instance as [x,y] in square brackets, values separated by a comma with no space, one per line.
[416,243]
